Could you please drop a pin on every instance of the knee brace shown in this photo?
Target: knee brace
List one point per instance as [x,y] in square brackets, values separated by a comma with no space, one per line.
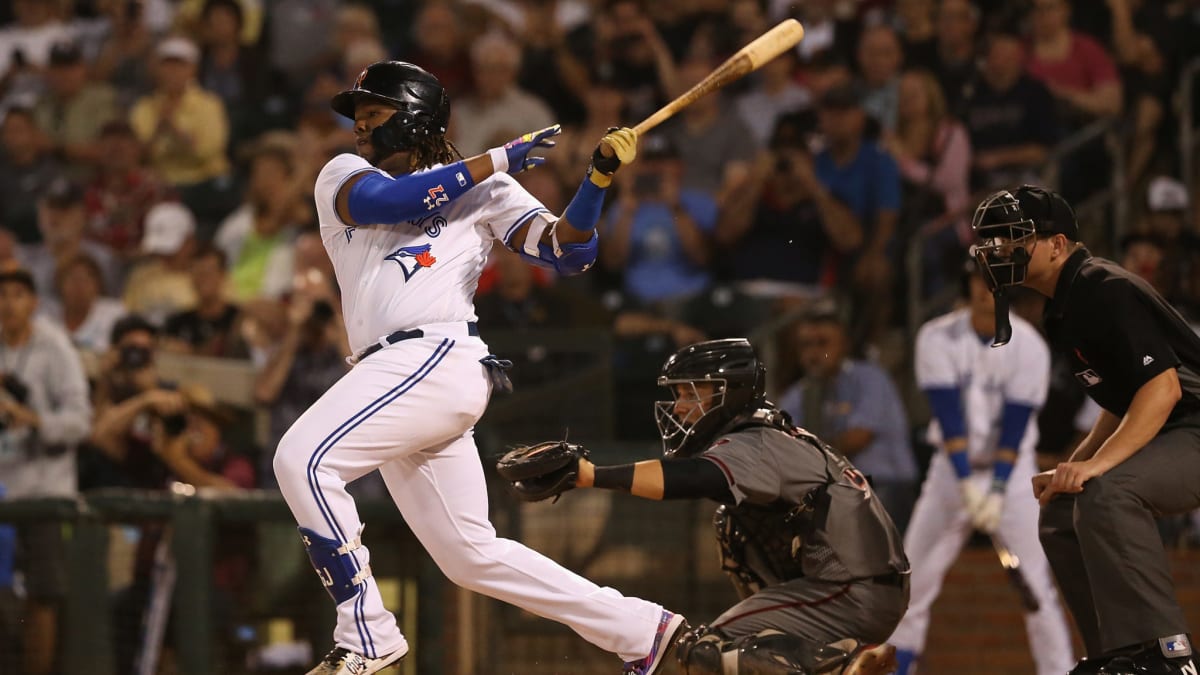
[335,564]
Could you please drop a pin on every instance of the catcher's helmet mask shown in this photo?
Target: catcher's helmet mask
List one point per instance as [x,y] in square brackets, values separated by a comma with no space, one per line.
[739,380]
[421,103]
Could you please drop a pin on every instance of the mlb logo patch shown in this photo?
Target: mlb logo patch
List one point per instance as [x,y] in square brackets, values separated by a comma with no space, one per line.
[1088,378]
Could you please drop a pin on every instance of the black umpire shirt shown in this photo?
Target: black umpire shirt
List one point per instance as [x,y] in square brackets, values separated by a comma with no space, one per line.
[1118,333]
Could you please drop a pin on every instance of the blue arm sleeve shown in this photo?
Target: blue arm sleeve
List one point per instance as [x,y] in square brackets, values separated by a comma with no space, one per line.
[584,210]
[1013,421]
[946,403]
[376,198]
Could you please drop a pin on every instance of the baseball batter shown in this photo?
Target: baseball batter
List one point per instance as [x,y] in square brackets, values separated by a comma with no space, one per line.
[984,402]
[809,547]
[408,225]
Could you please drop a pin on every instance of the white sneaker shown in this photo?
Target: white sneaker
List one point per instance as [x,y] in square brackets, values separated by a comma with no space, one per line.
[345,662]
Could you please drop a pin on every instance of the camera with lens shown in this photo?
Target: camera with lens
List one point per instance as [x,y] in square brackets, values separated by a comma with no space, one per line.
[322,311]
[17,390]
[174,425]
[134,357]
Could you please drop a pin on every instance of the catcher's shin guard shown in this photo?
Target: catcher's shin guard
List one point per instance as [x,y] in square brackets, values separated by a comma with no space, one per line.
[770,652]
[700,652]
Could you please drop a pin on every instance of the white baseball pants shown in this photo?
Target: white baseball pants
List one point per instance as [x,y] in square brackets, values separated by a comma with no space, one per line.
[409,410]
[936,534]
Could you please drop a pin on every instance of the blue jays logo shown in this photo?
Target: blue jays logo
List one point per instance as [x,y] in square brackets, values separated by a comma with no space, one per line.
[419,255]
[437,197]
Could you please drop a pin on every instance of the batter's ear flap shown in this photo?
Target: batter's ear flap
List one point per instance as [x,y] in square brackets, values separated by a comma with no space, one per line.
[386,136]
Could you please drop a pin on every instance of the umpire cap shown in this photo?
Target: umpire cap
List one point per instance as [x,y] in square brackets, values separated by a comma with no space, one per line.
[1050,213]
[410,88]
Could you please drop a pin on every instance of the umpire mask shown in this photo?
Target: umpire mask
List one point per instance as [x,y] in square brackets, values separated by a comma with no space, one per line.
[694,416]
[1008,225]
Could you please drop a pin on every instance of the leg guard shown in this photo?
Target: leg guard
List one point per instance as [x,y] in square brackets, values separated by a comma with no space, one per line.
[708,652]
[335,565]
[700,651]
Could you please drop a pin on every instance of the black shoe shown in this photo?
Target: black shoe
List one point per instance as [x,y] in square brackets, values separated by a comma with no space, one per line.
[1090,666]
[1149,661]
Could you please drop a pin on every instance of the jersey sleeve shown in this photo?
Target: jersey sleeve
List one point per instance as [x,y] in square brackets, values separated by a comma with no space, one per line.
[1141,350]
[507,205]
[333,175]
[751,471]
[1028,380]
[933,369]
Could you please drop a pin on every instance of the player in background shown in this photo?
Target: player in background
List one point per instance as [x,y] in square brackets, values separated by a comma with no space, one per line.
[811,550]
[985,404]
[408,224]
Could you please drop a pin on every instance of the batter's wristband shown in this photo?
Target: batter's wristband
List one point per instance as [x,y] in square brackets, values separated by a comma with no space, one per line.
[962,466]
[1001,472]
[618,477]
[499,160]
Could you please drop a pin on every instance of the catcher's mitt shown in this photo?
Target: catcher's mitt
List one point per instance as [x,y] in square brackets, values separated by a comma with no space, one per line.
[537,472]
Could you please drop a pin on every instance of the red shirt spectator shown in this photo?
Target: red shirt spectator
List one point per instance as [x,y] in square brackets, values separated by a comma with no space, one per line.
[1087,66]
[122,191]
[1074,67]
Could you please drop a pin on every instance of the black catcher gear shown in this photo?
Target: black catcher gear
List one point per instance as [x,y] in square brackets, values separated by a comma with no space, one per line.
[542,471]
[422,106]
[740,383]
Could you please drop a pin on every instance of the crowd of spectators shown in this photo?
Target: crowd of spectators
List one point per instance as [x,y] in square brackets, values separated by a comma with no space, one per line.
[157,159]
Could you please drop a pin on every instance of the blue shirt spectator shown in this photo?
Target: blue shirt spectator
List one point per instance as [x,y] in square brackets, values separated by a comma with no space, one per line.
[659,234]
[869,183]
[659,267]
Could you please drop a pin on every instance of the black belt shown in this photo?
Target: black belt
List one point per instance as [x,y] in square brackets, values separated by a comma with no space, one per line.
[401,335]
[894,579]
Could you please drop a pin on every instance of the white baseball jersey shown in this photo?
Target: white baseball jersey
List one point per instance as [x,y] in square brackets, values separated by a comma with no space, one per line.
[397,276]
[951,354]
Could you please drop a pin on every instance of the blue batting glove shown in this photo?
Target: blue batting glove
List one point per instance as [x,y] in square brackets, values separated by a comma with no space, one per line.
[514,157]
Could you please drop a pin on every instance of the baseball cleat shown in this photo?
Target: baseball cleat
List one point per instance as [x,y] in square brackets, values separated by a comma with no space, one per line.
[1089,666]
[873,660]
[342,661]
[670,627]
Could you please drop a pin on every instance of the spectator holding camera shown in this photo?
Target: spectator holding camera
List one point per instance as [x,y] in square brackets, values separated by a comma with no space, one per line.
[190,445]
[783,230]
[659,233]
[44,414]
[128,396]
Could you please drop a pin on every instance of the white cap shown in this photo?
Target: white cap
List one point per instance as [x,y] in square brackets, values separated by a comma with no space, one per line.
[1166,194]
[168,226]
[178,47]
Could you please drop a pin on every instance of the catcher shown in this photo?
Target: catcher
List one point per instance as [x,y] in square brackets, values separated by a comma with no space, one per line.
[815,558]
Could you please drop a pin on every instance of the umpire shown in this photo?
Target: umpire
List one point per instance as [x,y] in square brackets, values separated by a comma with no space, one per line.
[1138,359]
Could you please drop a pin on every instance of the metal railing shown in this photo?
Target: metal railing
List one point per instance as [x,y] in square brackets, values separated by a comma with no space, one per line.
[87,645]
[1188,138]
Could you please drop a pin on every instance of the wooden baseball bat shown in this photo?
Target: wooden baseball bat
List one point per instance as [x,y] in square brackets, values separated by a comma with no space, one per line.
[1012,565]
[747,60]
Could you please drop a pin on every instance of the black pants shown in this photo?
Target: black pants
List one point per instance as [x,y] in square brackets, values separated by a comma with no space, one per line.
[1105,550]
